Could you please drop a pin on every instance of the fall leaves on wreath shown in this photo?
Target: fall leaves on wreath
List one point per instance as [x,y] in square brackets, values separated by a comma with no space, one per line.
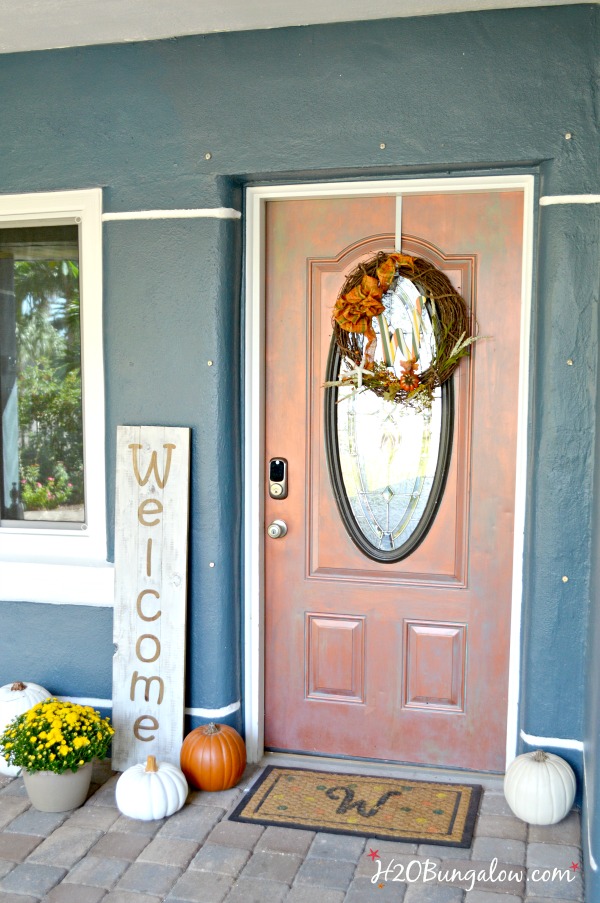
[355,310]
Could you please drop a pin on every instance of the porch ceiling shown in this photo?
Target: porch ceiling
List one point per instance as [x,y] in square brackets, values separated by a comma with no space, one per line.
[45,24]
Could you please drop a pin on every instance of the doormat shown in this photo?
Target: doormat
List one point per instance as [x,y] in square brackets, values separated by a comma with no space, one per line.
[383,808]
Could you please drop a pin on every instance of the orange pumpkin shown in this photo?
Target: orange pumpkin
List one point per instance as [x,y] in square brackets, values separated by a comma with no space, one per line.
[213,757]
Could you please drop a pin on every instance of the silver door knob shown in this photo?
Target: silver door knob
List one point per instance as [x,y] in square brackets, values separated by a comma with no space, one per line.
[277,529]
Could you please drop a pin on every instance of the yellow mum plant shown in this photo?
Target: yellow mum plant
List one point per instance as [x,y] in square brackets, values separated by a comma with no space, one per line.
[56,736]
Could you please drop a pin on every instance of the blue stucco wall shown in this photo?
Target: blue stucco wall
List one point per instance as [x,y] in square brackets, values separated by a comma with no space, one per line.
[479,92]
[562,447]
[172,306]
[591,754]
[66,649]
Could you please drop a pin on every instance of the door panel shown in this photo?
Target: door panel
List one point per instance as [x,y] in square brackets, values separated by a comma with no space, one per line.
[408,660]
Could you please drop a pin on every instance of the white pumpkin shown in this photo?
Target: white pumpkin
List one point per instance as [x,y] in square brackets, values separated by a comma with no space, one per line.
[151,791]
[15,699]
[540,787]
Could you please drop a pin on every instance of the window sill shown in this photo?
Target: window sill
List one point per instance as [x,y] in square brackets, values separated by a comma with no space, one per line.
[77,583]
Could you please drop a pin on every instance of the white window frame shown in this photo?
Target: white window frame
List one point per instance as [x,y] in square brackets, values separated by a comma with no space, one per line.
[38,563]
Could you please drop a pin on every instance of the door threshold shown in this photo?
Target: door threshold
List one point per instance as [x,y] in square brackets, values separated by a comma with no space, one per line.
[493,782]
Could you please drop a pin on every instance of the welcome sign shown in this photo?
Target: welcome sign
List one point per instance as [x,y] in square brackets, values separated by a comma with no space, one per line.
[151,529]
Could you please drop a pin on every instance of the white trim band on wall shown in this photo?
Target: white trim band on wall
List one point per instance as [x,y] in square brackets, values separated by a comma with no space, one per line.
[199,213]
[215,713]
[196,713]
[88,700]
[549,199]
[556,742]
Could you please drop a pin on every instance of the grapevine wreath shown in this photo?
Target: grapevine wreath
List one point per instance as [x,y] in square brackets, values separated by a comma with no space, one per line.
[362,300]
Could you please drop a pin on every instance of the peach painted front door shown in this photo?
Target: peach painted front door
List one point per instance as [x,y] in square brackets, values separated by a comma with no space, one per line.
[401,660]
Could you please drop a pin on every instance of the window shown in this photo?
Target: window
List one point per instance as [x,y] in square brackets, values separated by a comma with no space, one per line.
[40,376]
[52,481]
[387,462]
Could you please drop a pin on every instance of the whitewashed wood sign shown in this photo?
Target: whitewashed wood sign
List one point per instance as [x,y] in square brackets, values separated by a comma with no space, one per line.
[151,530]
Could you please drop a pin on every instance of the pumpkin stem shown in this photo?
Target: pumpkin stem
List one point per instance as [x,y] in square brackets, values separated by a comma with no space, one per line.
[18,685]
[151,764]
[540,756]
[212,728]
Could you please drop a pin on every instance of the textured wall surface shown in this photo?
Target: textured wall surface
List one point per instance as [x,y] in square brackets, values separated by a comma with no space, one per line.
[591,699]
[65,648]
[478,92]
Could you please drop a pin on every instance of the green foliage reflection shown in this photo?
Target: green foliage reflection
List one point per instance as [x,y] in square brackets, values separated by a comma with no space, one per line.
[49,382]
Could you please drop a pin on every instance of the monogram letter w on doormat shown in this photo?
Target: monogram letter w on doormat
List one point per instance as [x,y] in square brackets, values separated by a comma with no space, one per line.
[385,808]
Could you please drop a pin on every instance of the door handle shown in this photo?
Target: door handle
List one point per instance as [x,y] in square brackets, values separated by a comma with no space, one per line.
[277,529]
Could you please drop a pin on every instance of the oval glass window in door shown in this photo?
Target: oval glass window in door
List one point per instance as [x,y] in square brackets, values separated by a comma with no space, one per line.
[388,462]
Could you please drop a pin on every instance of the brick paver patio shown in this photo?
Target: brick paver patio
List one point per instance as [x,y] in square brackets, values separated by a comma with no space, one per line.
[96,855]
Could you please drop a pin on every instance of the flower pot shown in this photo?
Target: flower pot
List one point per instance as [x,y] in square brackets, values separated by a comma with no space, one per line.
[50,792]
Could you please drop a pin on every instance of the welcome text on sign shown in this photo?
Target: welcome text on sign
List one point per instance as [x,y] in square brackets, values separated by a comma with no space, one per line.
[150,562]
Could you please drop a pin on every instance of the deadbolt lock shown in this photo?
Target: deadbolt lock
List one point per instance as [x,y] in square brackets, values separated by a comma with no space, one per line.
[278,478]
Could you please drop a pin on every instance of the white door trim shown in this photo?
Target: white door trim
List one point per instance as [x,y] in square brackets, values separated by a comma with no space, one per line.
[256,199]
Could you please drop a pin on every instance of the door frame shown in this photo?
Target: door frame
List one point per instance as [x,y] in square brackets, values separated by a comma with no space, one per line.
[254,419]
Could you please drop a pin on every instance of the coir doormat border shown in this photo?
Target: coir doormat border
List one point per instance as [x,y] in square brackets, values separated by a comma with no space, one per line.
[248,810]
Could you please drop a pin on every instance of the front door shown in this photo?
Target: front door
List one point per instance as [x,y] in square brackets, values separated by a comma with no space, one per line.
[369,655]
